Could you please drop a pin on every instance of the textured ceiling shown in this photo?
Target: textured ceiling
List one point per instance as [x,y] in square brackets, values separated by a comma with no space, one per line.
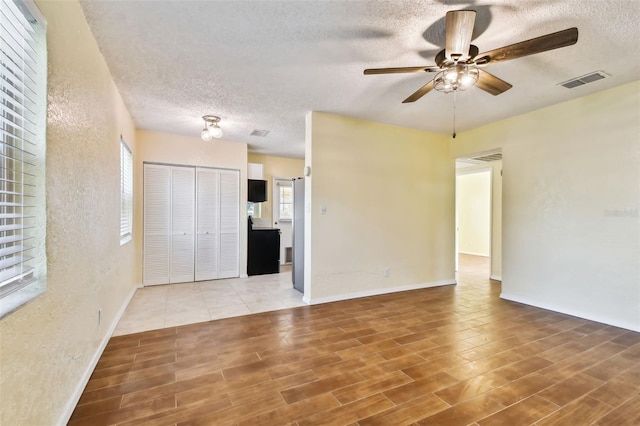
[265,64]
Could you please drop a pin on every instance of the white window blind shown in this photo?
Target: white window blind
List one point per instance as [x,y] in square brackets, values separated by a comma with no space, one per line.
[23,128]
[126,193]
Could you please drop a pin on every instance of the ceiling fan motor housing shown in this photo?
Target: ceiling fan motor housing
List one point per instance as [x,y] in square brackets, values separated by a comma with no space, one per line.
[457,65]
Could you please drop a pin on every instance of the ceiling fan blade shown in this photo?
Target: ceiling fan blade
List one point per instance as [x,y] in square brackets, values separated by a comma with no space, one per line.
[459,28]
[419,93]
[492,84]
[400,70]
[529,47]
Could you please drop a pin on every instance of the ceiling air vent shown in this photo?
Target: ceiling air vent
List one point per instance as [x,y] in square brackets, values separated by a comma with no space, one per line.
[589,78]
[488,157]
[260,133]
[481,157]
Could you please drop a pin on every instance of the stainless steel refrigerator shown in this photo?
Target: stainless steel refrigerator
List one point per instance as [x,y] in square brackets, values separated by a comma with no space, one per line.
[297,271]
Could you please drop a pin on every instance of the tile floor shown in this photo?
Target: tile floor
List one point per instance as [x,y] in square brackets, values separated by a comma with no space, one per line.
[178,304]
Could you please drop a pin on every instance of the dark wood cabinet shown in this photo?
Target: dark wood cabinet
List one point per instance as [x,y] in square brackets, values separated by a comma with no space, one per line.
[263,251]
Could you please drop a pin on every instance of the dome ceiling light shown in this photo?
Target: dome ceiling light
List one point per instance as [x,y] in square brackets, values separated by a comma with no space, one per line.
[211,128]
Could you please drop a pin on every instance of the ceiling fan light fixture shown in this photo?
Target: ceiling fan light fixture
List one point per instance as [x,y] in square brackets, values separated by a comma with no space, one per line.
[451,74]
[456,77]
[469,77]
[211,129]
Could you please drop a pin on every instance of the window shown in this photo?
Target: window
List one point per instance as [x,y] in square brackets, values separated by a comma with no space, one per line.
[254,210]
[286,201]
[126,193]
[23,80]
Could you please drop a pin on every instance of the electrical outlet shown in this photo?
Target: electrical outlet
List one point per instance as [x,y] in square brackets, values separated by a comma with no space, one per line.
[387,272]
[99,316]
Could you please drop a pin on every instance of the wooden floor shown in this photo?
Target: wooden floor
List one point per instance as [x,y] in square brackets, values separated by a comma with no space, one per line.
[454,355]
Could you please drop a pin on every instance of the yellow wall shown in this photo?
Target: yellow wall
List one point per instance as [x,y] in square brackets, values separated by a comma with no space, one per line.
[473,204]
[496,213]
[571,196]
[193,151]
[389,198]
[275,167]
[49,345]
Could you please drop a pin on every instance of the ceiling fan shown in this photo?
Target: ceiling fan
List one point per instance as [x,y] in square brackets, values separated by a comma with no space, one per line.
[458,64]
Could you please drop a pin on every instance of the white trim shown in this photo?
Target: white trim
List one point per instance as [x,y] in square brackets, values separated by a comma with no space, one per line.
[35,11]
[576,313]
[474,254]
[75,396]
[496,277]
[464,170]
[244,276]
[376,292]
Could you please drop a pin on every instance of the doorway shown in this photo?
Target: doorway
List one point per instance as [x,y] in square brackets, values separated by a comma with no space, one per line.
[474,218]
[283,215]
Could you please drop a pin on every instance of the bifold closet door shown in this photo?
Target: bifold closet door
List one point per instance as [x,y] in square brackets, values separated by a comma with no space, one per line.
[157,220]
[191,224]
[207,219]
[229,224]
[182,224]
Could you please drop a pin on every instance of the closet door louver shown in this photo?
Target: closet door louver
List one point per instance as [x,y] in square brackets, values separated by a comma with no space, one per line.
[157,210]
[182,224]
[229,224]
[191,224]
[207,236]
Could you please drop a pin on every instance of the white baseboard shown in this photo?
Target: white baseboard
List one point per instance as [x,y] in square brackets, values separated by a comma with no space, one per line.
[75,397]
[496,277]
[473,254]
[244,276]
[575,313]
[376,292]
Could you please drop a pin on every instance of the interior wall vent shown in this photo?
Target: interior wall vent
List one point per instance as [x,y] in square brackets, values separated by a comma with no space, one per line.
[488,157]
[260,133]
[588,78]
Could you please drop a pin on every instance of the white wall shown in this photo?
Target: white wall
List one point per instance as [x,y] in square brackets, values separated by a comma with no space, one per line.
[50,345]
[473,208]
[389,198]
[571,196]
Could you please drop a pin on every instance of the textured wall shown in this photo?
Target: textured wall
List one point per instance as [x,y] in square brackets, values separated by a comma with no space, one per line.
[389,198]
[191,151]
[571,196]
[48,344]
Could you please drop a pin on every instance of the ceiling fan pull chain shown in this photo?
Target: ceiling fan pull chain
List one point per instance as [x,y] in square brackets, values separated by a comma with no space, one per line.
[454,114]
